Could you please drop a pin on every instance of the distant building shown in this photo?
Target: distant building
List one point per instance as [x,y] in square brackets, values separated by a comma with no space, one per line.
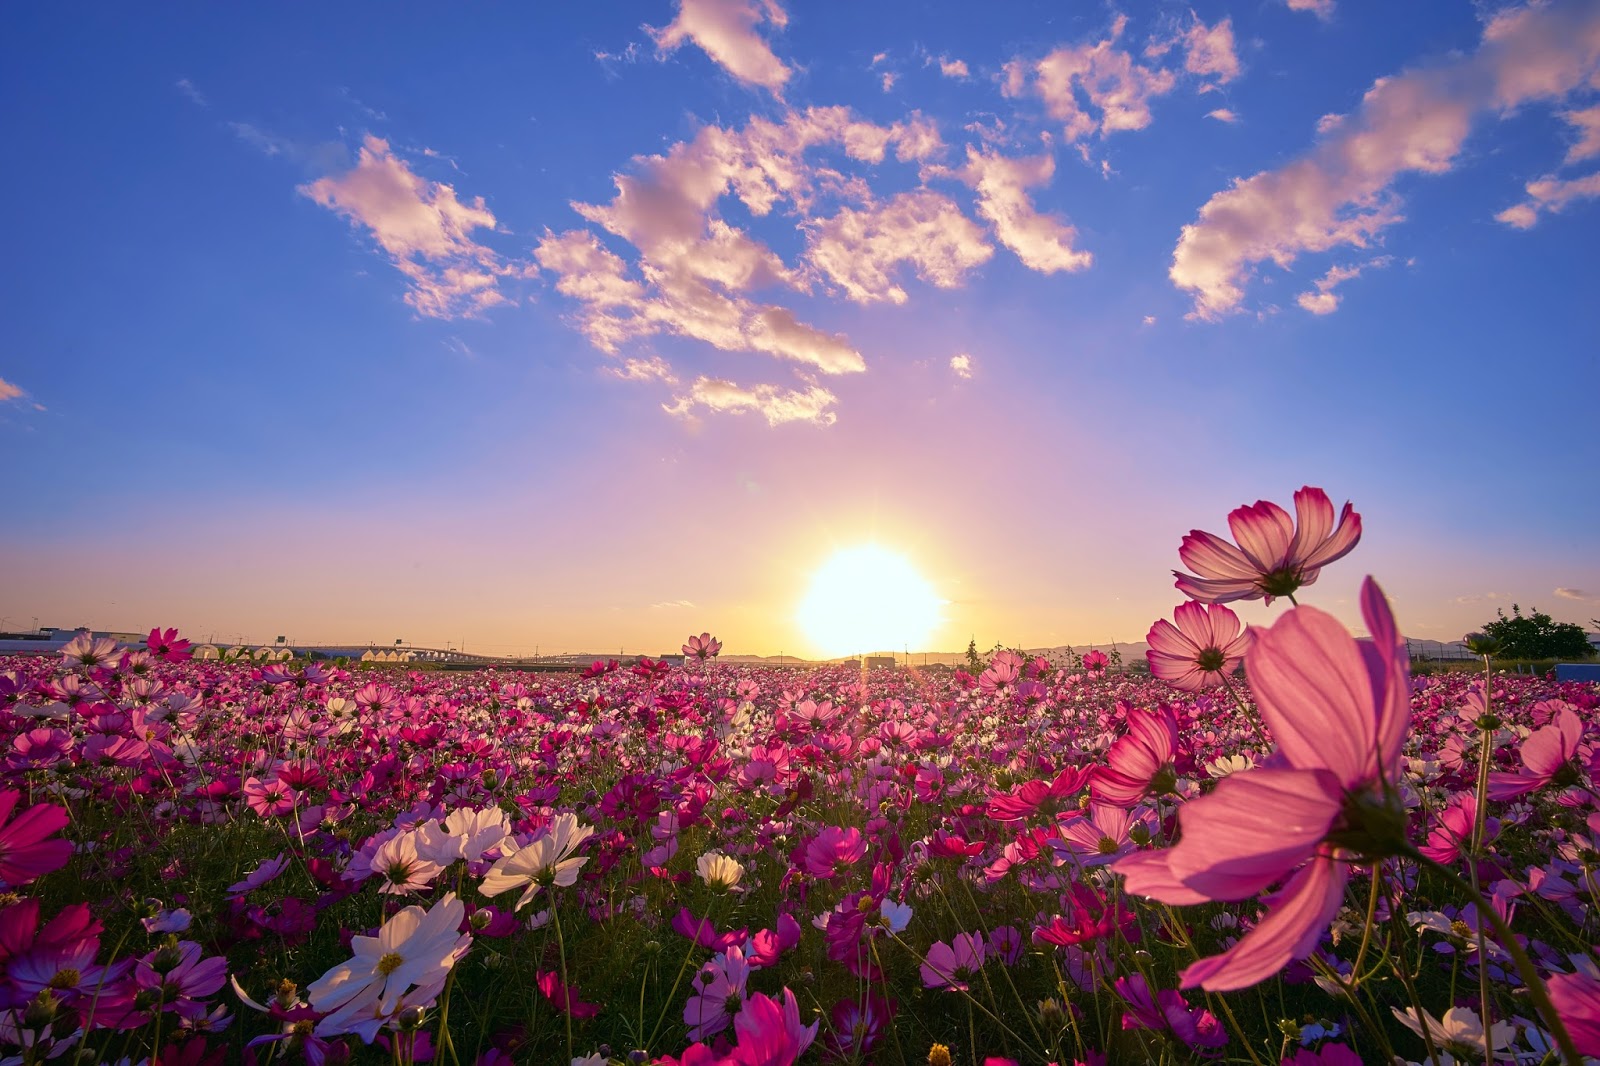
[880,662]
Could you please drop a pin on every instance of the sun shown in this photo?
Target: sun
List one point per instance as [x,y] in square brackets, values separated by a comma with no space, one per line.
[868,598]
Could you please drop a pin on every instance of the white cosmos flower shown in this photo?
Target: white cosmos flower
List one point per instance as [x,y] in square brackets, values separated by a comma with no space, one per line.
[465,834]
[544,861]
[719,871]
[413,952]
[1460,1031]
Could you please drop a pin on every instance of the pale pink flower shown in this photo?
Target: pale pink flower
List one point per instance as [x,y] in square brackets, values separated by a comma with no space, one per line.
[1339,710]
[1200,651]
[950,966]
[705,646]
[1141,761]
[1274,557]
[1550,755]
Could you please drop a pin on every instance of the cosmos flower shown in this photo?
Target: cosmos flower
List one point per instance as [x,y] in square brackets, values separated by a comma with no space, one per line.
[718,871]
[167,645]
[25,853]
[950,966]
[1339,710]
[705,646]
[1576,998]
[1551,755]
[1274,557]
[413,952]
[545,861]
[1204,647]
[1140,762]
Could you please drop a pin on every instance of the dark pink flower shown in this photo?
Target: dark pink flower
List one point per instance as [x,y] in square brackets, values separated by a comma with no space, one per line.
[705,646]
[167,645]
[25,854]
[1168,1011]
[1339,710]
[1552,755]
[1204,647]
[834,851]
[1274,556]
[1141,761]
[1576,998]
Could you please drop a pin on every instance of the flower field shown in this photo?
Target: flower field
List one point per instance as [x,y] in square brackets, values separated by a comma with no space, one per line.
[1321,859]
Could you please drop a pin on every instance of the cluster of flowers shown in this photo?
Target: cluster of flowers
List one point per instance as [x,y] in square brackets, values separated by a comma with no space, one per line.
[742,865]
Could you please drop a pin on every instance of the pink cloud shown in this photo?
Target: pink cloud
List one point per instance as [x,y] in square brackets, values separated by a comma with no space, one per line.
[1340,192]
[859,250]
[776,405]
[953,68]
[1323,9]
[1549,195]
[1322,300]
[1208,50]
[1587,124]
[1223,114]
[726,30]
[1117,88]
[425,229]
[1043,242]
[9,391]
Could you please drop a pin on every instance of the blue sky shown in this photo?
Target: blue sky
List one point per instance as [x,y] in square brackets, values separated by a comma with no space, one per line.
[332,321]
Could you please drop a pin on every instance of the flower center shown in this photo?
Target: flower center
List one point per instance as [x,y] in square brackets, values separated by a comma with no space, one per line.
[1211,660]
[1280,582]
[390,963]
[66,979]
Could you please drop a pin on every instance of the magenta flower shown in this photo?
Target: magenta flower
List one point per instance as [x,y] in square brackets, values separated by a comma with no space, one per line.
[950,966]
[1141,761]
[1168,1011]
[1454,831]
[719,991]
[167,645]
[1576,998]
[1339,710]
[25,854]
[705,646]
[770,1034]
[1274,557]
[834,851]
[1094,663]
[1204,647]
[1550,756]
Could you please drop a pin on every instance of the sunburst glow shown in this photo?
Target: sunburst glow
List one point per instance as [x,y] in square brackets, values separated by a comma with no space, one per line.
[868,598]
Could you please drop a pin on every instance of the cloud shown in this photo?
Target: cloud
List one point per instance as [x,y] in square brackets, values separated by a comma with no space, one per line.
[425,229]
[1587,124]
[187,88]
[1043,242]
[1323,9]
[1416,122]
[1323,301]
[1574,594]
[1116,87]
[962,365]
[1223,114]
[9,391]
[726,31]
[672,605]
[859,250]
[953,68]
[1549,195]
[693,273]
[777,406]
[888,80]
[266,143]
[652,368]
[1208,50]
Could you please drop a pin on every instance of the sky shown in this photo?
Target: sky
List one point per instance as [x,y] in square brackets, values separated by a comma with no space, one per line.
[591,326]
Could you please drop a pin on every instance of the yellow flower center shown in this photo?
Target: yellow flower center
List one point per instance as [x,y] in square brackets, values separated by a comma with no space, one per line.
[390,963]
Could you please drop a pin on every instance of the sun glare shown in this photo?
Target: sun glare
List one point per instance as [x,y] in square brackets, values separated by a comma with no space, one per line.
[866,599]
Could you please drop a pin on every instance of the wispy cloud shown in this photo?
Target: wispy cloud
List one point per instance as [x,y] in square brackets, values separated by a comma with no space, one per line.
[9,391]
[778,406]
[961,365]
[1341,192]
[187,88]
[953,68]
[1322,300]
[672,605]
[1549,195]
[726,30]
[426,230]
[1223,114]
[1574,594]
[859,250]
[1043,242]
[1323,9]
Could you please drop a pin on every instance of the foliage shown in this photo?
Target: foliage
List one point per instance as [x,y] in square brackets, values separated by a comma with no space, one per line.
[1537,636]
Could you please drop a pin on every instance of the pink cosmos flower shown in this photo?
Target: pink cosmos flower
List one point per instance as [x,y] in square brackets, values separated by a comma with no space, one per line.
[167,645]
[705,646]
[269,798]
[1454,831]
[25,854]
[834,851]
[950,966]
[1339,710]
[718,996]
[1274,558]
[564,996]
[770,1034]
[1094,663]
[1141,761]
[1204,647]
[1551,755]
[1099,838]
[1576,998]
[1167,1010]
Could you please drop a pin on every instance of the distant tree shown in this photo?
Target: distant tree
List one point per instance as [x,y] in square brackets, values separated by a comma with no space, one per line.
[974,661]
[1537,636]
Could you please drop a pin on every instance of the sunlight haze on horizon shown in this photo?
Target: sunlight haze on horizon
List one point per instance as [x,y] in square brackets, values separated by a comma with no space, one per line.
[821,327]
